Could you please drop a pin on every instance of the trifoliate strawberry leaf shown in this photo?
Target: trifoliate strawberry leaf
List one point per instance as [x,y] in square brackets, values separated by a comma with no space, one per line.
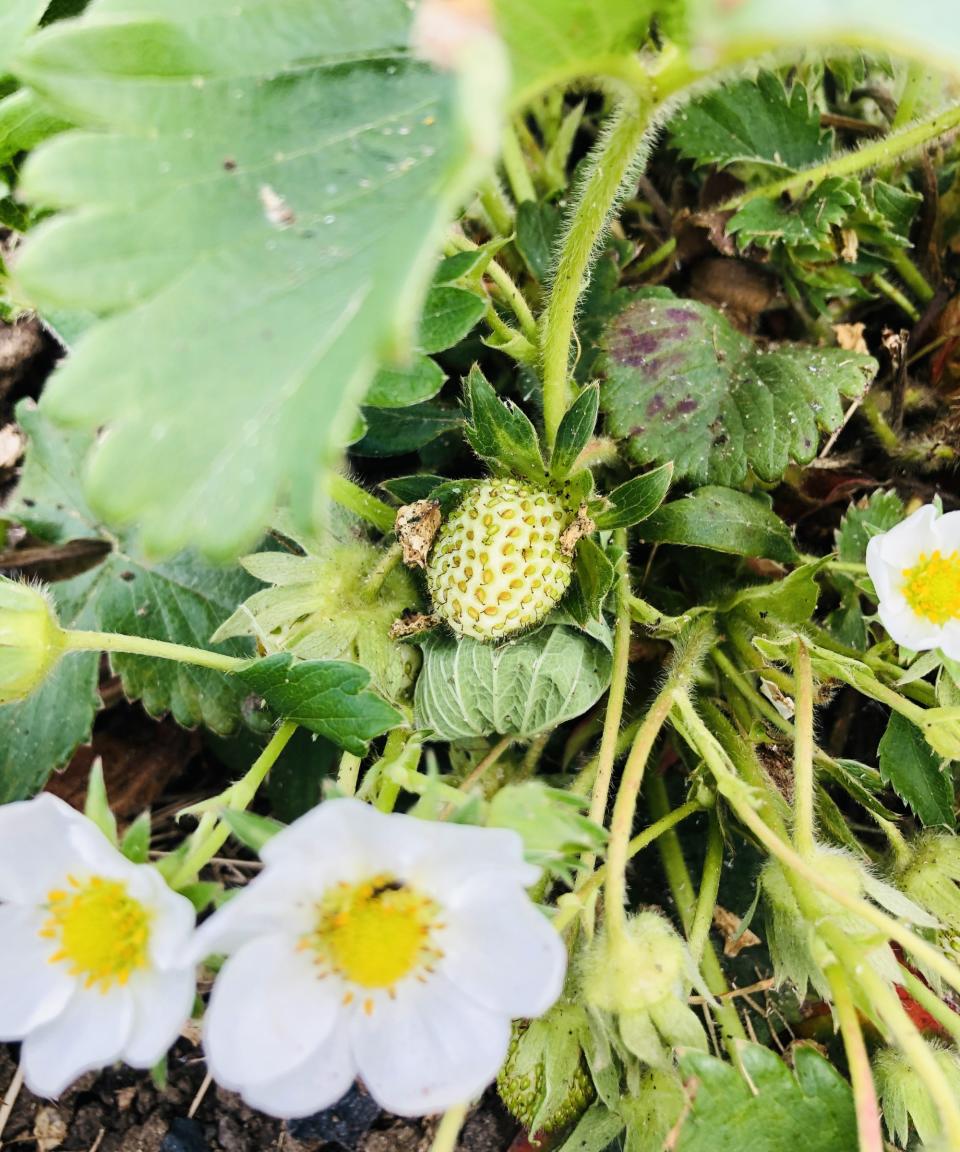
[396,431]
[550,43]
[329,697]
[768,1108]
[402,387]
[683,384]
[916,773]
[755,122]
[252,211]
[17,19]
[182,600]
[468,689]
[805,224]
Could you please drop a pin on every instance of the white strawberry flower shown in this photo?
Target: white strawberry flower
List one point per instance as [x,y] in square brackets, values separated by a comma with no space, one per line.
[95,962]
[915,568]
[382,946]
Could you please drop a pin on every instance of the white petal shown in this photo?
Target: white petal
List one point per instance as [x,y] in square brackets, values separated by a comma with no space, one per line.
[268,1012]
[320,1081]
[91,1032]
[429,1049]
[910,630]
[950,640]
[35,850]
[162,1002]
[503,953]
[98,857]
[335,828]
[172,920]
[947,530]
[281,899]
[903,544]
[32,990]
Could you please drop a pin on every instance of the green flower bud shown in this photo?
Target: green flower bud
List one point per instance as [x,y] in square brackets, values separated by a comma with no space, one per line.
[904,1097]
[31,639]
[545,1082]
[931,877]
[643,978]
[798,954]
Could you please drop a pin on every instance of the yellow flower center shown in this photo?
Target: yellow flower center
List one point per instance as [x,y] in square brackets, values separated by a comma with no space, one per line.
[376,933]
[102,931]
[932,587]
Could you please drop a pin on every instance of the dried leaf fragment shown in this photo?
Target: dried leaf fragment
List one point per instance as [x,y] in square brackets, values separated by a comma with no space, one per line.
[416,526]
[581,526]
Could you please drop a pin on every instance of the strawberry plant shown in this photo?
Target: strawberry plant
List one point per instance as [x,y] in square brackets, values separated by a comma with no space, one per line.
[508,451]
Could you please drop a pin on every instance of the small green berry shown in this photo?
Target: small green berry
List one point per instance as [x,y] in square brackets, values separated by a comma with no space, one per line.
[543,1050]
[498,565]
[31,640]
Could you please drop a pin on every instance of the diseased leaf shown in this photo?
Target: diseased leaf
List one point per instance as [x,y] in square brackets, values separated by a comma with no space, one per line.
[329,697]
[774,1110]
[683,384]
[233,214]
[916,773]
[724,521]
[756,122]
[635,500]
[527,686]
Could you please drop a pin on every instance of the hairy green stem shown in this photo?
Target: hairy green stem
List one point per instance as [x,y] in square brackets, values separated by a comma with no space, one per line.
[861,1075]
[611,163]
[911,275]
[515,167]
[709,887]
[681,886]
[804,781]
[358,501]
[348,774]
[78,641]
[930,1002]
[212,832]
[497,207]
[666,249]
[895,296]
[873,155]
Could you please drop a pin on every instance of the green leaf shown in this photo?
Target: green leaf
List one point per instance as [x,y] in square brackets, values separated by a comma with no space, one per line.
[558,41]
[790,601]
[756,122]
[684,385]
[135,843]
[538,226]
[449,314]
[183,600]
[500,433]
[251,829]
[879,512]
[396,431]
[916,773]
[468,689]
[17,19]
[24,121]
[634,501]
[724,521]
[575,431]
[329,697]
[768,1109]
[96,807]
[806,224]
[401,387]
[234,217]
[725,33]
[596,1131]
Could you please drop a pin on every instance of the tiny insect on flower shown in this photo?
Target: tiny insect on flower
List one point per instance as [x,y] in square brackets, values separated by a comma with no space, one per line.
[915,568]
[94,963]
[382,946]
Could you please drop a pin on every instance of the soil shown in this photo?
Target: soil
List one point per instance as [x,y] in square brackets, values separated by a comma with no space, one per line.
[120,1110]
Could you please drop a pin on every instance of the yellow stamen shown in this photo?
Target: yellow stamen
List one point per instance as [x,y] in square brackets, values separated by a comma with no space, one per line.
[932,587]
[102,931]
[375,933]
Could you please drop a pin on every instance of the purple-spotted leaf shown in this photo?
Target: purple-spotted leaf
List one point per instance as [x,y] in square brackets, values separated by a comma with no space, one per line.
[683,384]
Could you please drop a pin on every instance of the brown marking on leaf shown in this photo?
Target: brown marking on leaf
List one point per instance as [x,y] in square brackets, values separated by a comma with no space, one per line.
[416,526]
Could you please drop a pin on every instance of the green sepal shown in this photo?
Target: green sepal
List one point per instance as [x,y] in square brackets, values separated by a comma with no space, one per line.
[252,830]
[593,578]
[633,501]
[135,843]
[574,432]
[96,807]
[500,433]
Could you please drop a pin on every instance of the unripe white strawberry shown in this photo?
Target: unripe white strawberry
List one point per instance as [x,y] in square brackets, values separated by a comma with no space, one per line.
[497,565]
